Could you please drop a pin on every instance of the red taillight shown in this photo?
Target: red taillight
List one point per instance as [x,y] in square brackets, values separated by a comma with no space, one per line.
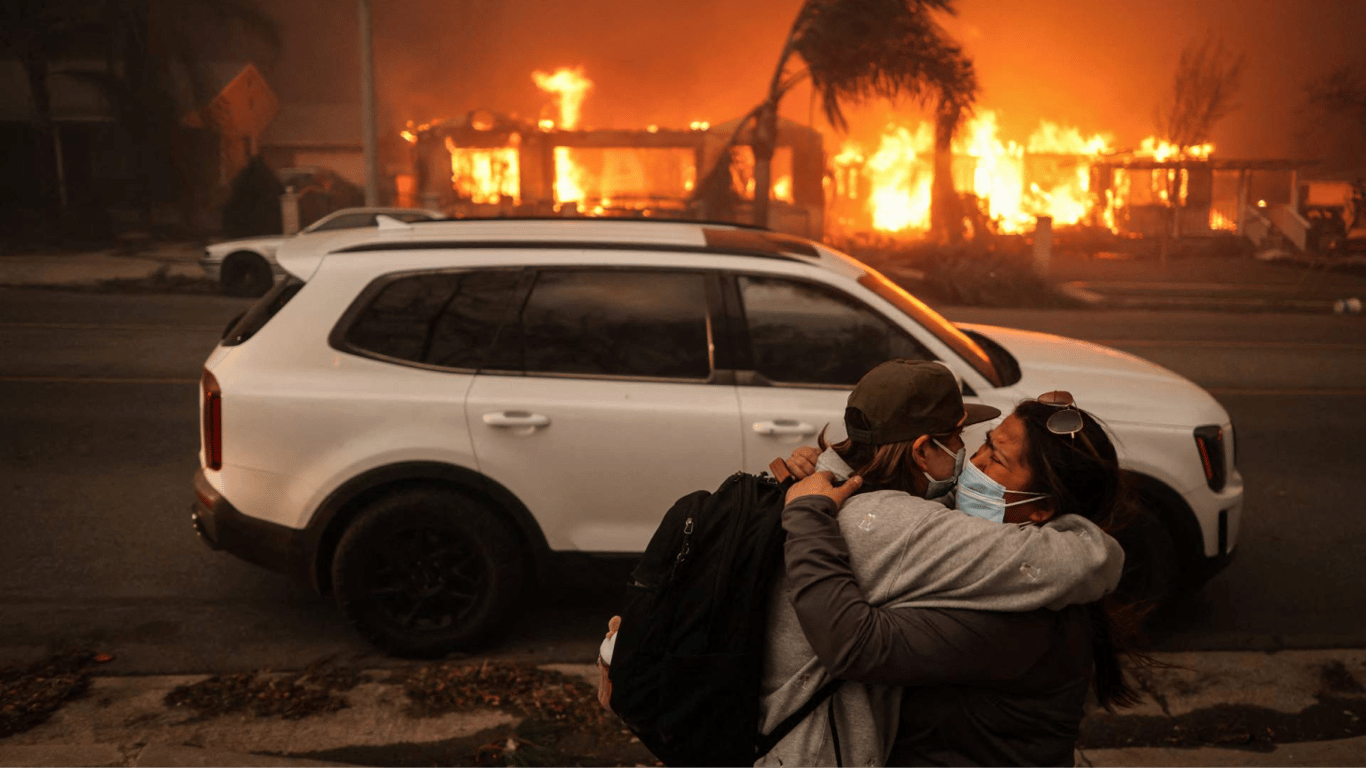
[212,415]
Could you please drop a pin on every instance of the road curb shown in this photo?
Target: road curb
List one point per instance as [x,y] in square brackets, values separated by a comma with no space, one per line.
[45,755]
[172,755]
[1341,752]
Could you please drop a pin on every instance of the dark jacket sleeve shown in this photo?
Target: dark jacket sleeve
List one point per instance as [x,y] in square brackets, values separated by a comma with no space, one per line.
[905,646]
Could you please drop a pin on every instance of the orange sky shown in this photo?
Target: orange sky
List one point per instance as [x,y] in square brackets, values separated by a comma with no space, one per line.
[1101,66]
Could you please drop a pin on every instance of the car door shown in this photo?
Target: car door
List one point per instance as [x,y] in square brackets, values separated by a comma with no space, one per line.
[600,407]
[804,345]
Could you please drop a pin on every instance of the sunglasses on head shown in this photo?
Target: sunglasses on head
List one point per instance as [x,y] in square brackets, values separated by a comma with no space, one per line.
[1067,421]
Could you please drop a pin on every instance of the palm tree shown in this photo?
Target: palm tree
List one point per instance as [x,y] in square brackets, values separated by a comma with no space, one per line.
[854,50]
[955,102]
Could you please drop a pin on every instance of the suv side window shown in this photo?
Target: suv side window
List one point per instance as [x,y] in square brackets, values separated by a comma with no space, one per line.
[805,333]
[637,323]
[440,318]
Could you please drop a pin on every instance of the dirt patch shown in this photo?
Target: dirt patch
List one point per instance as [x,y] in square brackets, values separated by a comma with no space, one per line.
[563,723]
[316,690]
[30,693]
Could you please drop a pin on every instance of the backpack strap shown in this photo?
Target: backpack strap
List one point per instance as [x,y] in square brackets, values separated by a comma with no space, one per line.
[766,743]
[778,468]
[834,733]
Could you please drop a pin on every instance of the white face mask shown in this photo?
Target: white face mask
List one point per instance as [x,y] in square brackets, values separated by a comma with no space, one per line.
[936,488]
[980,496]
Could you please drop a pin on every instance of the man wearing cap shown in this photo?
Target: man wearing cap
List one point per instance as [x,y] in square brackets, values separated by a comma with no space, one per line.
[904,420]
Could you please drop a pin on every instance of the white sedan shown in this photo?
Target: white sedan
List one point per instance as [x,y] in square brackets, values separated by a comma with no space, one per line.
[247,267]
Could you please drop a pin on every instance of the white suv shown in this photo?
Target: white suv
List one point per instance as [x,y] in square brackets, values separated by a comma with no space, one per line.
[422,412]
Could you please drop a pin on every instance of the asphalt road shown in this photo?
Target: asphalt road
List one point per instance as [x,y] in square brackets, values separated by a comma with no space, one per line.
[98,417]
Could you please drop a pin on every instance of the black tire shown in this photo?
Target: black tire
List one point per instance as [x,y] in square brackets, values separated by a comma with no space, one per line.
[425,571]
[1152,567]
[245,274]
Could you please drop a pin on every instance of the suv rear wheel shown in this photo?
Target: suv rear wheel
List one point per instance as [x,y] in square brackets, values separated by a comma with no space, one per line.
[426,571]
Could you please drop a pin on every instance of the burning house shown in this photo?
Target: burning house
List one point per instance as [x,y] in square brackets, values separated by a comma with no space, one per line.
[489,164]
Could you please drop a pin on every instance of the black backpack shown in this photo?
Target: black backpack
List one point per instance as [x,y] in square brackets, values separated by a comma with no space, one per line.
[689,655]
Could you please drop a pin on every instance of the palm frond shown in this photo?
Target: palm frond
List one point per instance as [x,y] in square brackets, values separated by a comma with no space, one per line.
[858,49]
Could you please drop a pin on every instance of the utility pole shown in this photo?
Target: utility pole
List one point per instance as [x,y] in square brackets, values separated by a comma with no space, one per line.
[369,133]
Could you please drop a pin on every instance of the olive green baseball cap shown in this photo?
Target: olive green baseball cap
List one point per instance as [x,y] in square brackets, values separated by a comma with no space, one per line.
[900,400]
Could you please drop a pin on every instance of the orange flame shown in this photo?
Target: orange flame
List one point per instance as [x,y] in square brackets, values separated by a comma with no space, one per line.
[570,87]
[1049,175]
[485,175]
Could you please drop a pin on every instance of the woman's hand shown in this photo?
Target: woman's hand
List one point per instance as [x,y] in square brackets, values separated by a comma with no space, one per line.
[822,484]
[802,462]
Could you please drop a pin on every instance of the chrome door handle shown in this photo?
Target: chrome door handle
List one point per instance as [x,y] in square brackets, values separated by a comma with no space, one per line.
[516,419]
[784,427]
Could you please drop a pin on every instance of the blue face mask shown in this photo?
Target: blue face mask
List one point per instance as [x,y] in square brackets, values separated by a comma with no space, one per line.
[936,488]
[980,496]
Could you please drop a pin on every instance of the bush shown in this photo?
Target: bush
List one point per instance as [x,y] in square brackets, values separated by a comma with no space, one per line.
[253,206]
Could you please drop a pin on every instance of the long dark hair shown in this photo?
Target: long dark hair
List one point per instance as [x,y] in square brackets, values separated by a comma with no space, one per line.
[1080,472]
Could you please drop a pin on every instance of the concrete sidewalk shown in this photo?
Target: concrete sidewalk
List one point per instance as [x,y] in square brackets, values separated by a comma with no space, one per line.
[88,269]
[1228,706]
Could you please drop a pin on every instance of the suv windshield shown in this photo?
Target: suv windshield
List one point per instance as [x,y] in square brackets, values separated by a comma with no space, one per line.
[935,323]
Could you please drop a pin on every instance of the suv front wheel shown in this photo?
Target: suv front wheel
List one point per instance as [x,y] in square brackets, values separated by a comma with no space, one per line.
[426,571]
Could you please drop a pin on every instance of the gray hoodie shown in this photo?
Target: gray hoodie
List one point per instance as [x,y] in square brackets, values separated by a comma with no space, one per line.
[906,550]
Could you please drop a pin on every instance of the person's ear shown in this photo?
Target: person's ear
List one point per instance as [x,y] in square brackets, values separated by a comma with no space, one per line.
[1041,511]
[920,452]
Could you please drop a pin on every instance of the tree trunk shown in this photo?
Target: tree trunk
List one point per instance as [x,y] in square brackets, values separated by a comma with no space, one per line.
[946,209]
[47,160]
[764,142]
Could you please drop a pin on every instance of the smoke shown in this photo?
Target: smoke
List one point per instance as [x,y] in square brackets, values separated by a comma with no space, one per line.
[1101,66]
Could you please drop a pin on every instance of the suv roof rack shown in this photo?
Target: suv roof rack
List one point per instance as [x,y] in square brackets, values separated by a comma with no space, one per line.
[751,241]
[302,256]
[603,219]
